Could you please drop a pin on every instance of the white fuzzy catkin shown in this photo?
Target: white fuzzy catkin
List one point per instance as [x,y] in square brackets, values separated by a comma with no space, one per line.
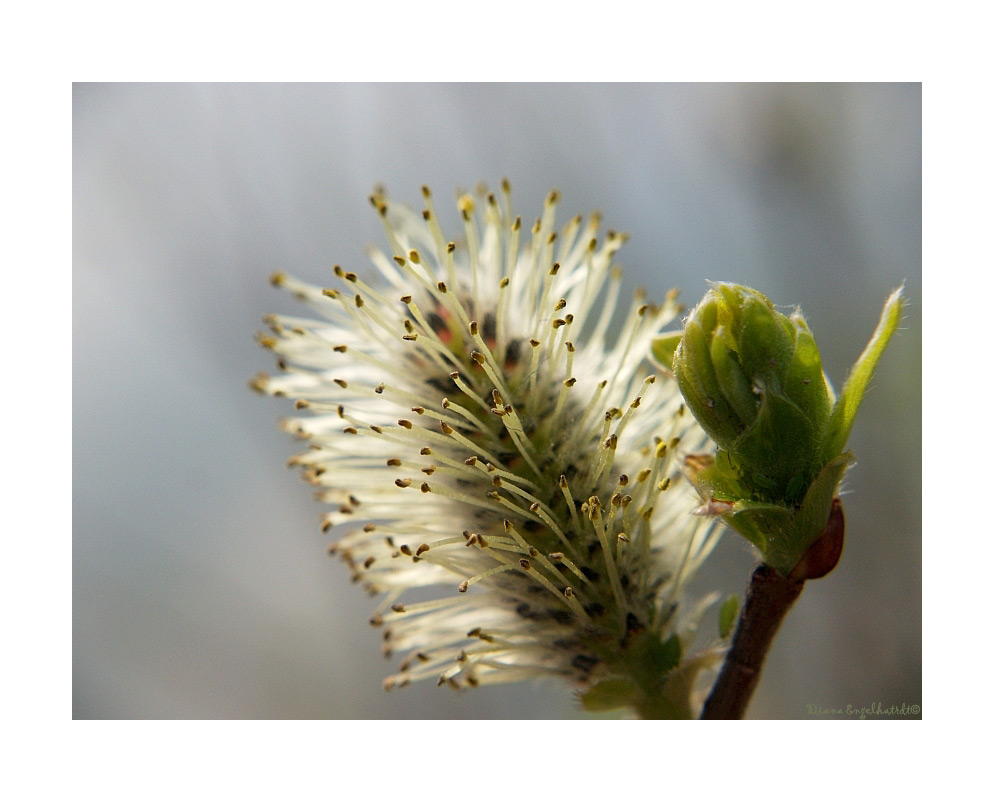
[484,423]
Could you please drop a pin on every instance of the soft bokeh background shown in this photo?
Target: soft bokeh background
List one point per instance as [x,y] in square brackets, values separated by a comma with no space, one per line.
[201,588]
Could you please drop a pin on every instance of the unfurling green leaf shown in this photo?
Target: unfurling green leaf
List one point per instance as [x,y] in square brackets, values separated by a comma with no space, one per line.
[842,418]
[728,616]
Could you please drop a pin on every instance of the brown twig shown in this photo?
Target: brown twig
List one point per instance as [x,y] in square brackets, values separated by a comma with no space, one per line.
[769,598]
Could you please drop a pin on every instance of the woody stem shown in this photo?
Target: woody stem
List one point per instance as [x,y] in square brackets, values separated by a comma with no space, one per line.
[769,598]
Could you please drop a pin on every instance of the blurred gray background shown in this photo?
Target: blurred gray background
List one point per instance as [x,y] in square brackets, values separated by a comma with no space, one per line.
[201,587]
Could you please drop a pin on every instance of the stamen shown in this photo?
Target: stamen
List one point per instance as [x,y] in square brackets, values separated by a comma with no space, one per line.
[399,612]
[524,565]
[512,253]
[635,404]
[501,333]
[466,204]
[533,372]
[583,425]
[570,504]
[562,336]
[561,398]
[567,239]
[621,539]
[633,326]
[608,308]
[560,558]
[545,295]
[522,443]
[470,417]
[455,376]
[595,514]
[494,371]
[464,585]
[438,238]
[462,439]
[533,553]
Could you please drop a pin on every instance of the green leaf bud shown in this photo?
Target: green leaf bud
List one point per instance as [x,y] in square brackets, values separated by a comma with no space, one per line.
[753,378]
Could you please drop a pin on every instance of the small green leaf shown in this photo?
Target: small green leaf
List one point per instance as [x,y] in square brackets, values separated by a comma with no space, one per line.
[663,349]
[846,408]
[728,616]
[815,509]
[613,693]
[765,525]
[669,656]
